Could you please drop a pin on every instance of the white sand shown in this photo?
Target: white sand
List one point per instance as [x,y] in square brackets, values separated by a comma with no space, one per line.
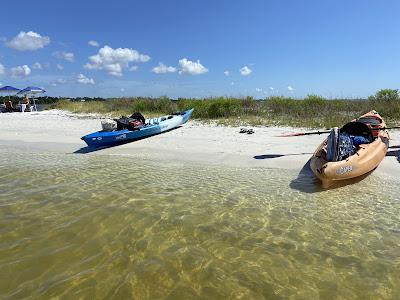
[61,132]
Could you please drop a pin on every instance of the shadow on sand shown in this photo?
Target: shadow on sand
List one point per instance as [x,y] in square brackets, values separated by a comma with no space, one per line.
[395,153]
[87,149]
[268,156]
[307,182]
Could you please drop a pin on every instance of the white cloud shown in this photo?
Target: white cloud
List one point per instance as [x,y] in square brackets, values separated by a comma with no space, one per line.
[68,56]
[37,66]
[20,71]
[114,61]
[84,80]
[122,90]
[28,41]
[133,68]
[290,88]
[190,67]
[59,67]
[58,82]
[226,73]
[2,69]
[258,90]
[161,68]
[245,71]
[232,83]
[271,89]
[93,43]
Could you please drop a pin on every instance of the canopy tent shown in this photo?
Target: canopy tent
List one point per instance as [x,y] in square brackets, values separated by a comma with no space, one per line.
[31,90]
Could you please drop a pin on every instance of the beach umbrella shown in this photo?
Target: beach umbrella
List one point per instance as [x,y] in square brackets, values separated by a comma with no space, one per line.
[9,90]
[31,90]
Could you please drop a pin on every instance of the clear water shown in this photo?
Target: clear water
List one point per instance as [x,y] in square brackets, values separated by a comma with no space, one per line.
[90,226]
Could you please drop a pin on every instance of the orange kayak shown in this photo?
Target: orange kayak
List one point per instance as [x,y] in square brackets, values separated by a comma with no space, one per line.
[367,155]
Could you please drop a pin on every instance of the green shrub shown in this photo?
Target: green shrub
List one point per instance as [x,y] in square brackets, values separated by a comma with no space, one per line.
[385,95]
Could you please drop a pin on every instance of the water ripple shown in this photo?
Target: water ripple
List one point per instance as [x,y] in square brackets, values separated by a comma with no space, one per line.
[86,226]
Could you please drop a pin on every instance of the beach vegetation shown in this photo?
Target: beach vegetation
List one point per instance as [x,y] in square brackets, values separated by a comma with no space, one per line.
[386,95]
[313,111]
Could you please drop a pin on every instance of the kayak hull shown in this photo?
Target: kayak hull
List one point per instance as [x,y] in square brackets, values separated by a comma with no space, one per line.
[157,126]
[365,160]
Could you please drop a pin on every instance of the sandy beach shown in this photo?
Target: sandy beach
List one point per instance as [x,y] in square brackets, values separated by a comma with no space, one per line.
[60,131]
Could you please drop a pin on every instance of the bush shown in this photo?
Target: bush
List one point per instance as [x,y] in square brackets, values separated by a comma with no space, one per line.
[312,99]
[385,95]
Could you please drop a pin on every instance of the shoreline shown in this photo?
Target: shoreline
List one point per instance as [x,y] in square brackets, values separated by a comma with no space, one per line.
[60,131]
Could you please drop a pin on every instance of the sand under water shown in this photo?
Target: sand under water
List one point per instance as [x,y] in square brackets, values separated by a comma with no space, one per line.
[128,222]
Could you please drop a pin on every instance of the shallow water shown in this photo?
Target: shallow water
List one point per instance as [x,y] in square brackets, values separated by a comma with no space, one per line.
[91,226]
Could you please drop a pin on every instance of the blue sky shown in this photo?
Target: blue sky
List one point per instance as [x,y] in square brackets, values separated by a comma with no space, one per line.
[334,48]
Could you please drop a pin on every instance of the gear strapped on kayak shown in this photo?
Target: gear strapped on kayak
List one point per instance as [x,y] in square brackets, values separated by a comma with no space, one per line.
[344,142]
[132,123]
[134,127]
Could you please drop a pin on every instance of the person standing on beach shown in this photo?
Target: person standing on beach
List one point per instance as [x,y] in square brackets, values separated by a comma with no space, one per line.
[25,103]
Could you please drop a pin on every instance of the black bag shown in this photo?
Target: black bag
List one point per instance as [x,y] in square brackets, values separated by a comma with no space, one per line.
[138,116]
[126,123]
[122,123]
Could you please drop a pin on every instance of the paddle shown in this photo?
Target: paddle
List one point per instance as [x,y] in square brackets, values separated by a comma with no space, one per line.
[328,131]
[302,133]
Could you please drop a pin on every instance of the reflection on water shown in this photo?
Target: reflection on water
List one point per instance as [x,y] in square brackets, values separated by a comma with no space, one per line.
[113,227]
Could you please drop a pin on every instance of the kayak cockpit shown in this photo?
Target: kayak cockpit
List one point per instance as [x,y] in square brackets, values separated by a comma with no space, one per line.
[345,142]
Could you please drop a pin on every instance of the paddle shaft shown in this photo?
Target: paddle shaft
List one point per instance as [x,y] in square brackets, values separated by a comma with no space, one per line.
[328,131]
[384,128]
[310,133]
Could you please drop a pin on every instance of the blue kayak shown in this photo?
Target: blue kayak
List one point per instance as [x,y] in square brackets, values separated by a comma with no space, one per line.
[152,127]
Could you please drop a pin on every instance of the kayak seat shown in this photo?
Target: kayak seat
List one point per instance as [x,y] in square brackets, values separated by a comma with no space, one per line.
[332,145]
[358,129]
[372,122]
